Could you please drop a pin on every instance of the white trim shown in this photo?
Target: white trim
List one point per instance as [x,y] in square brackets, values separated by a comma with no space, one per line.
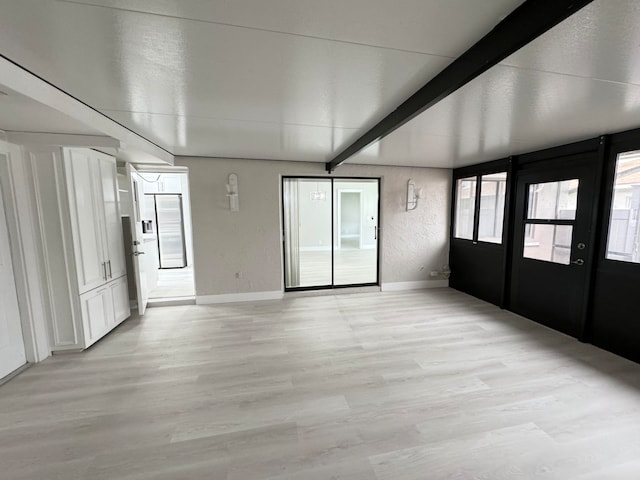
[20,223]
[238,297]
[418,285]
[62,140]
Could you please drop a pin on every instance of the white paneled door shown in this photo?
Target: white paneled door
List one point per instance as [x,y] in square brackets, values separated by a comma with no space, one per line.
[12,354]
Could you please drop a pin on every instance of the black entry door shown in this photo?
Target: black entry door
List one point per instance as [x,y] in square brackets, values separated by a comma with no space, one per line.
[551,250]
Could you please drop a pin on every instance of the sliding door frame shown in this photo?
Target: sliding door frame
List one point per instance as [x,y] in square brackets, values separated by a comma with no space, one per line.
[333,286]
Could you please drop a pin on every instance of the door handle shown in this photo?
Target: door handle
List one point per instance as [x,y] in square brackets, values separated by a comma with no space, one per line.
[135,254]
[110,273]
[104,268]
[579,261]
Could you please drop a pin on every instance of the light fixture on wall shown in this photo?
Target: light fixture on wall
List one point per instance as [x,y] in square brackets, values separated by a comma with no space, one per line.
[232,192]
[413,194]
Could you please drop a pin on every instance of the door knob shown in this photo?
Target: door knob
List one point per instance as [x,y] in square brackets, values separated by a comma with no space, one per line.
[579,261]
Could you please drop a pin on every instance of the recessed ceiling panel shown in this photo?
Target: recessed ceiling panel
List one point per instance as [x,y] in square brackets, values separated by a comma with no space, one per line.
[602,41]
[508,111]
[438,27]
[117,60]
[199,136]
[579,80]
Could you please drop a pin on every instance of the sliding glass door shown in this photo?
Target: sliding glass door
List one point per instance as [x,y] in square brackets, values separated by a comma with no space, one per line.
[330,232]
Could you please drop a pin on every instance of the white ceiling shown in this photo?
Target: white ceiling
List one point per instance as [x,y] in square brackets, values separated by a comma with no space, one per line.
[301,79]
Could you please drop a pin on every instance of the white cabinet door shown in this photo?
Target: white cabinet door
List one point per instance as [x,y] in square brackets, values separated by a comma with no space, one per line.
[83,180]
[120,296]
[113,241]
[12,354]
[97,314]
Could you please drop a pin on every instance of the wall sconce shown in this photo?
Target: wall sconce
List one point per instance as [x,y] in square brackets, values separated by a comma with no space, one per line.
[413,194]
[232,192]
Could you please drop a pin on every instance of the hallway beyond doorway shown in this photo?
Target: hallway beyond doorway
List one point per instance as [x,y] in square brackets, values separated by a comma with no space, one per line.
[174,282]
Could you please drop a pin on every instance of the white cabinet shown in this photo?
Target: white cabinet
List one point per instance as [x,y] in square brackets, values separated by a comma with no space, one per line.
[95,217]
[77,196]
[97,314]
[120,300]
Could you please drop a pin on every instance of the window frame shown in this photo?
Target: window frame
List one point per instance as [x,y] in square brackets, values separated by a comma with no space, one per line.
[477,175]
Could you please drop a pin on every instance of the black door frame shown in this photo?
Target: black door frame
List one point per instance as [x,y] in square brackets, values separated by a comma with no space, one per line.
[581,166]
[464,252]
[378,234]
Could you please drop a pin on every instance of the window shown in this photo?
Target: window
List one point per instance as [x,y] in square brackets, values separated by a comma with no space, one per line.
[492,195]
[551,212]
[623,242]
[465,207]
[485,205]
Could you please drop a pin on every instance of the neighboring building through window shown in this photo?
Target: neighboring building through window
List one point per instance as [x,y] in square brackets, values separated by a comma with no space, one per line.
[489,212]
[624,222]
[492,194]
[465,207]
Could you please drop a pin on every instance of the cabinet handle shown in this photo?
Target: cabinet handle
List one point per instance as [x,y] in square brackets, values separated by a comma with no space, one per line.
[110,273]
[104,268]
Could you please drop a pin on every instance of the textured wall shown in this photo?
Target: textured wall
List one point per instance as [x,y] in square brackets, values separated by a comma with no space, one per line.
[241,252]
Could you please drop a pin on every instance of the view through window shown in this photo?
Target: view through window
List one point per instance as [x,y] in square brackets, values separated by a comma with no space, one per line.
[624,222]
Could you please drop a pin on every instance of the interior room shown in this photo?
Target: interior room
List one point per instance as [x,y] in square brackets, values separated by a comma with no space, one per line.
[308,240]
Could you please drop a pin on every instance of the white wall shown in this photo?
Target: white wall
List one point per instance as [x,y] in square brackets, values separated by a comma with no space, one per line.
[241,252]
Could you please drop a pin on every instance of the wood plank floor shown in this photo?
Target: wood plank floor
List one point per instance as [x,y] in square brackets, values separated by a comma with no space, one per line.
[388,386]
[352,266]
[174,282]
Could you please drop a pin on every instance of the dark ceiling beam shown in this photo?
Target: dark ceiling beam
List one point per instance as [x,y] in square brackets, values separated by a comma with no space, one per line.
[520,27]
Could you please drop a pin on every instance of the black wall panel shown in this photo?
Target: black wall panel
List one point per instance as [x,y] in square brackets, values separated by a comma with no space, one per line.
[477,269]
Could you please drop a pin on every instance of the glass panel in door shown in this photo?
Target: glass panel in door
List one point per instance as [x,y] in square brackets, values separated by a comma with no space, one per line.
[307,232]
[355,228]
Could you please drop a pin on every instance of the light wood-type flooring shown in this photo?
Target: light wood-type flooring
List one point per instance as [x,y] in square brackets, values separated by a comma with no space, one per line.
[352,266]
[174,282]
[388,386]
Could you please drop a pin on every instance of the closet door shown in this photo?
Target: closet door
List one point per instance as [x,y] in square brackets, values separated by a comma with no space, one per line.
[83,181]
[113,245]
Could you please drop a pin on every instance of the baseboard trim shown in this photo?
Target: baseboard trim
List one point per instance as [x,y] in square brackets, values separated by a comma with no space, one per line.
[15,373]
[171,302]
[419,285]
[238,297]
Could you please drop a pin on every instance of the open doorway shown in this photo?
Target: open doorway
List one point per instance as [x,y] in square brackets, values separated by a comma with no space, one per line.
[158,236]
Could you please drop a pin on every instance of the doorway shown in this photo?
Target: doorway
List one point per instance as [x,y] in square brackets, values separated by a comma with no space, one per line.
[330,232]
[158,236]
[551,241]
